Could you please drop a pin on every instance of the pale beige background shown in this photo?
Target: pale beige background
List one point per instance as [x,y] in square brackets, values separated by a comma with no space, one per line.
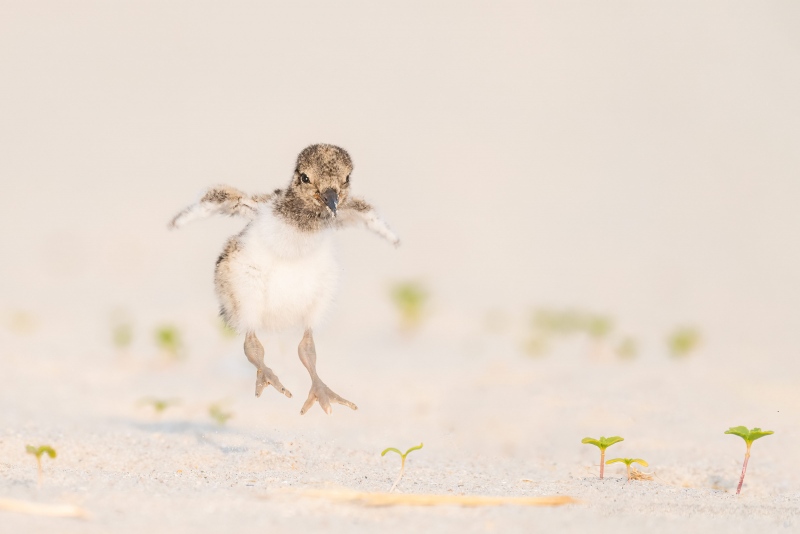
[639,159]
[636,158]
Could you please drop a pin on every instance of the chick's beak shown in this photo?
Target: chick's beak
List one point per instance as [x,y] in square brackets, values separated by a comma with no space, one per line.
[331,199]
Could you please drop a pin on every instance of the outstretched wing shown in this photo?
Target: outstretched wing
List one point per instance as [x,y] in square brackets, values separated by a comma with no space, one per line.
[356,210]
[224,200]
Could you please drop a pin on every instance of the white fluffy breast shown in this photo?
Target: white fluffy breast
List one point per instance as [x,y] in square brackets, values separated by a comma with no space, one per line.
[283,278]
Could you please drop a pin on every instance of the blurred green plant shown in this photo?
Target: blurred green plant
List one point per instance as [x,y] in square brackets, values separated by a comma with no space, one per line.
[122,335]
[683,341]
[598,327]
[168,339]
[410,299]
[218,413]
[402,462]
[558,322]
[749,436]
[159,405]
[603,443]
[627,349]
[548,324]
[38,452]
[627,462]
[224,330]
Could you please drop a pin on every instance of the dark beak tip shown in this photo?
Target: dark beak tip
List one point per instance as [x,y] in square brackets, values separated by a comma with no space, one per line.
[331,199]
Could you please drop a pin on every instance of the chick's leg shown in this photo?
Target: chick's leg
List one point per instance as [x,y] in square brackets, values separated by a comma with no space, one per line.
[264,375]
[319,391]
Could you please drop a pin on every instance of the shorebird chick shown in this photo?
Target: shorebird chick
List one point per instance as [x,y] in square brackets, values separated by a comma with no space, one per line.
[280,271]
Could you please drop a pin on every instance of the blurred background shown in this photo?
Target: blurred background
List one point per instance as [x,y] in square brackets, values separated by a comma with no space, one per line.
[638,160]
[598,207]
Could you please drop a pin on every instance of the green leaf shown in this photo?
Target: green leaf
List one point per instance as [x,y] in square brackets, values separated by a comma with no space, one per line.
[616,460]
[393,450]
[418,447]
[683,341]
[603,443]
[757,433]
[38,452]
[749,436]
[607,442]
[639,461]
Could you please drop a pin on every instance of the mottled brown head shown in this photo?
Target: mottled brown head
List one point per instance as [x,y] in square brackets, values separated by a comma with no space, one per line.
[320,183]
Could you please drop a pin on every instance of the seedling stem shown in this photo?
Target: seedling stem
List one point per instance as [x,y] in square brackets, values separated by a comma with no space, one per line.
[38,452]
[749,436]
[628,462]
[603,443]
[402,462]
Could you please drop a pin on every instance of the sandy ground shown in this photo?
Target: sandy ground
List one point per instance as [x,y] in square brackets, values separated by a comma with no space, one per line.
[494,422]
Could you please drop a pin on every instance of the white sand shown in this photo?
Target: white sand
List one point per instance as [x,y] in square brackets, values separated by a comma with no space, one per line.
[494,422]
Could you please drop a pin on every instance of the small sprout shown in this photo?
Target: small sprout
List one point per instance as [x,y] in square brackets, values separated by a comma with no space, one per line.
[38,452]
[548,324]
[598,326]
[628,462]
[627,349]
[409,298]
[603,443]
[159,405]
[683,341]
[168,338]
[749,436]
[558,322]
[402,462]
[218,414]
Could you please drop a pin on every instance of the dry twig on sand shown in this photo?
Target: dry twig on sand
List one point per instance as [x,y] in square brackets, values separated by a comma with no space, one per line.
[47,510]
[406,499]
[640,475]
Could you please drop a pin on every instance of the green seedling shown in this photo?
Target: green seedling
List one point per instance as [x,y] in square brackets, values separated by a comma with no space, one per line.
[628,462]
[402,462]
[38,452]
[558,322]
[603,443]
[598,326]
[683,342]
[410,298]
[218,414]
[168,338]
[749,436]
[159,405]
[548,324]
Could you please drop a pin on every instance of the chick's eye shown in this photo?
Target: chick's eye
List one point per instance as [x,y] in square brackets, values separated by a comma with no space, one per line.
[304,178]
[347,180]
